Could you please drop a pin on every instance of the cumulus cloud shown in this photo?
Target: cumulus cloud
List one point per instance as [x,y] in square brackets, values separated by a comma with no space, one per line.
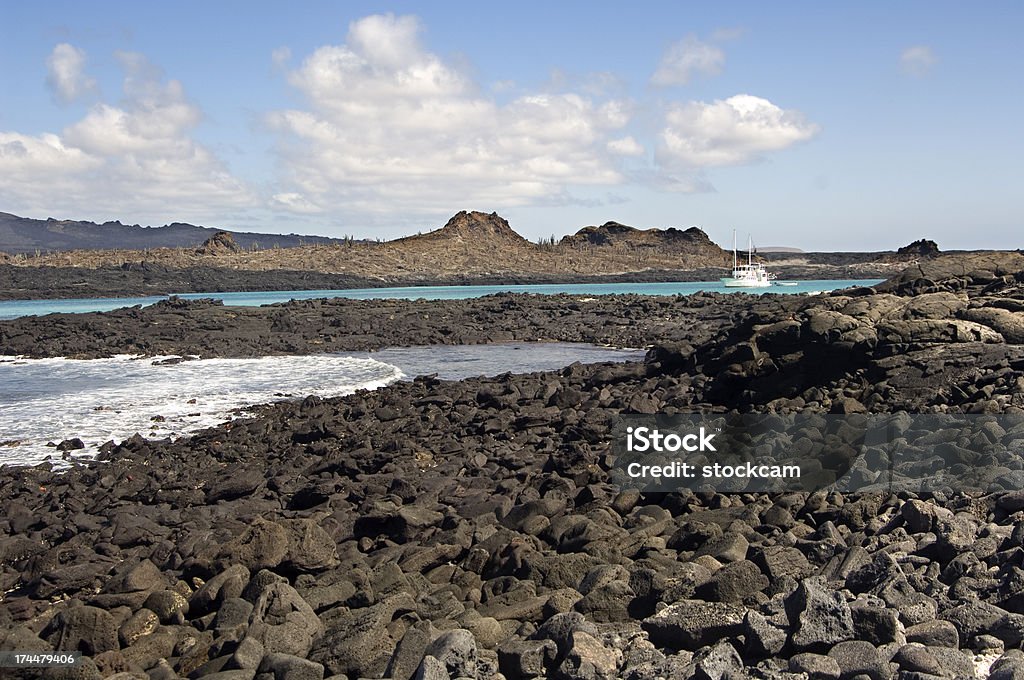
[917,60]
[65,74]
[391,126]
[733,131]
[626,146]
[687,58]
[389,131]
[136,159]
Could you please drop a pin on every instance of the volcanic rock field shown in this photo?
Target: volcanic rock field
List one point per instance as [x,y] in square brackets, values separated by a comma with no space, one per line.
[455,530]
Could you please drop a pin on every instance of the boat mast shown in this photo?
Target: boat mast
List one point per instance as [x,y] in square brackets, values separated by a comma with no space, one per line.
[750,250]
[734,249]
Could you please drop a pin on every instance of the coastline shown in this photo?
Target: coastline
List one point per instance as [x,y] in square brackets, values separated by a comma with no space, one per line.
[209,329]
[65,410]
[363,535]
[145,279]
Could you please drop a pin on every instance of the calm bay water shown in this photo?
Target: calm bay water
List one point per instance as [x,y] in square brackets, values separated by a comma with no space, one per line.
[11,309]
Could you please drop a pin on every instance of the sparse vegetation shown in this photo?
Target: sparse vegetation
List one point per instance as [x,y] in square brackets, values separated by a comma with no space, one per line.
[472,244]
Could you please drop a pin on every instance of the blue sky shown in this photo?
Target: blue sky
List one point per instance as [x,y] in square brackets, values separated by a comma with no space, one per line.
[819,125]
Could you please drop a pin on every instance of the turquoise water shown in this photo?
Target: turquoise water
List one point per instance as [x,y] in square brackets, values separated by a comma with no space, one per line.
[12,309]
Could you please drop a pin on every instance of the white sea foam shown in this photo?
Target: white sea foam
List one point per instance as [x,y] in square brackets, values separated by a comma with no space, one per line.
[48,400]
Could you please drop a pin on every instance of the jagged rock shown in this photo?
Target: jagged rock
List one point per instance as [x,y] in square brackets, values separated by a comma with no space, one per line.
[734,582]
[358,642]
[560,627]
[149,649]
[778,562]
[587,659]
[717,662]
[877,625]
[227,584]
[249,654]
[142,622]
[168,605]
[691,624]
[526,659]
[763,637]
[456,650]
[921,516]
[410,650]
[821,615]
[973,618]
[220,243]
[431,669]
[283,622]
[1010,325]
[920,248]
[935,331]
[234,615]
[87,629]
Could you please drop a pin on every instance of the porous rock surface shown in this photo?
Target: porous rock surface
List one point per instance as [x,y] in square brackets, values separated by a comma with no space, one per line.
[468,529]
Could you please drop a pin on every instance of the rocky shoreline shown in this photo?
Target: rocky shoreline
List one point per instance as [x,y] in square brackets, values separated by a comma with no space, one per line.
[207,328]
[144,279]
[469,529]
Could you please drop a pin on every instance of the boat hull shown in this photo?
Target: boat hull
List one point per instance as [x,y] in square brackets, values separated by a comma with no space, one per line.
[741,283]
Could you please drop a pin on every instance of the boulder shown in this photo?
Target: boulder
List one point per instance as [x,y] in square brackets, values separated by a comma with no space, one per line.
[89,630]
[692,624]
[821,616]
[283,622]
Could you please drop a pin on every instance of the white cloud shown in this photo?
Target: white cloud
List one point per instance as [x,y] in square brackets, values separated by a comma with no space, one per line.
[626,146]
[135,160]
[389,132]
[65,74]
[917,60]
[392,127]
[733,131]
[294,202]
[687,58]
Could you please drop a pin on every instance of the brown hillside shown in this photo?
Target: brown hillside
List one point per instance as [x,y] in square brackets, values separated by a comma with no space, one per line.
[692,245]
[470,244]
[473,228]
[220,243]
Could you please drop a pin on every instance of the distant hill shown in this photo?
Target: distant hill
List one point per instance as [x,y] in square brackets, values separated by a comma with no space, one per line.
[468,231]
[612,235]
[471,248]
[471,244]
[26,235]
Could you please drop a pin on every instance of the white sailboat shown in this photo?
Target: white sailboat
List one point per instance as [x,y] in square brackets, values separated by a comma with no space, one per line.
[749,275]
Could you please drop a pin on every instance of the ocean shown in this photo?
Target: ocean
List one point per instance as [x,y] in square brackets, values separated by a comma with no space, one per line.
[10,309]
[46,401]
